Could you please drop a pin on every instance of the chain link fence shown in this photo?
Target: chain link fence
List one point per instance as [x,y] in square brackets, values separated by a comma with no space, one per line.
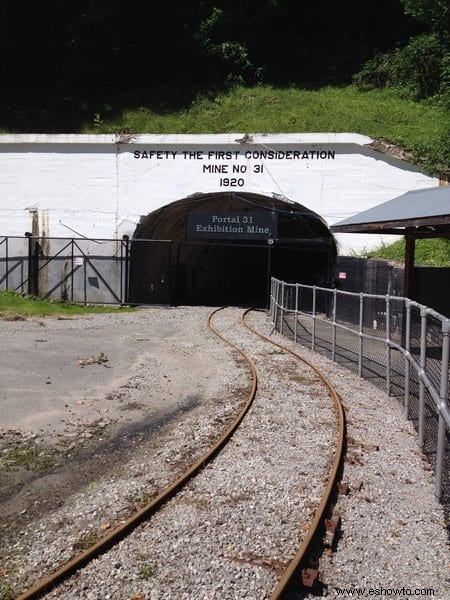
[396,343]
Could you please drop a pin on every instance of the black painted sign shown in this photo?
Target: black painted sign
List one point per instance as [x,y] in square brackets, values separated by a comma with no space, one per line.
[244,225]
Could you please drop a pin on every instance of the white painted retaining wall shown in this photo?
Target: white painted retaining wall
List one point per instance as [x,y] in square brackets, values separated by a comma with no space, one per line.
[100,185]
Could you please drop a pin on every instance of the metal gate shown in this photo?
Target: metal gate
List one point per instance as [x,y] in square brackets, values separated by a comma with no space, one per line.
[86,271]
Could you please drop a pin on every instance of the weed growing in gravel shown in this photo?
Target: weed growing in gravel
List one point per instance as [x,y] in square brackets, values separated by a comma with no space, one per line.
[138,498]
[6,591]
[300,378]
[31,458]
[147,571]
[85,541]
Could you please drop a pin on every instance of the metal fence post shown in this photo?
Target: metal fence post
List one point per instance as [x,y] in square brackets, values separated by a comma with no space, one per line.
[85,280]
[124,272]
[296,313]
[71,270]
[282,307]
[333,352]
[271,300]
[313,340]
[388,345]
[33,265]
[423,358]
[407,355]
[7,263]
[443,395]
[361,331]
[276,299]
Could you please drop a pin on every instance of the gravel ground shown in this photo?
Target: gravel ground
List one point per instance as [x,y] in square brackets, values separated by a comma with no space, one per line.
[107,450]
[394,539]
[251,520]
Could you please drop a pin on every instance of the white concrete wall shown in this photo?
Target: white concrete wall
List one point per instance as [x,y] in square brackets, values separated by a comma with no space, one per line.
[100,186]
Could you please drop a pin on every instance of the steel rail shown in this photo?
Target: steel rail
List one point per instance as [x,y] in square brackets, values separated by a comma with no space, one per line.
[65,571]
[324,505]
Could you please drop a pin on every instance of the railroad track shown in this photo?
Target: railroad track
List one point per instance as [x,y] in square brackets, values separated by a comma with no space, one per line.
[249,509]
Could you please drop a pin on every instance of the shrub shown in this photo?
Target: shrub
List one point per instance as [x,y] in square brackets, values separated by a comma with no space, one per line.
[376,73]
[422,68]
[418,66]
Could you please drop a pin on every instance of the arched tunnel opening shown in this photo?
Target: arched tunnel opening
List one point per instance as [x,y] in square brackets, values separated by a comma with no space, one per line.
[222,248]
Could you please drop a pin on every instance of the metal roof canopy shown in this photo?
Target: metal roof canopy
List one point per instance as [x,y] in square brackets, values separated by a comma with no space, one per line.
[423,213]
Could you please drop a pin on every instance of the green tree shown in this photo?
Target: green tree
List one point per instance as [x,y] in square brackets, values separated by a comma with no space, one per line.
[422,66]
[434,14]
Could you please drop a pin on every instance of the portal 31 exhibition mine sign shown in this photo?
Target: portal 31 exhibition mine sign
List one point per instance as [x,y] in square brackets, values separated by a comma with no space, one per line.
[248,225]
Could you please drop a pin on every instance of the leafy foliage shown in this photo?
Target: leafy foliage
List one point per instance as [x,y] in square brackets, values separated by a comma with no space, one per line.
[59,53]
[422,66]
[434,252]
[435,14]
[419,68]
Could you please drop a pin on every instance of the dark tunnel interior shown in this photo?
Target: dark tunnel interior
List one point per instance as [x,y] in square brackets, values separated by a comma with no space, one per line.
[217,249]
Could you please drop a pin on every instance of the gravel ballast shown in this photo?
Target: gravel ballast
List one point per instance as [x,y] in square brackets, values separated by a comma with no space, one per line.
[231,530]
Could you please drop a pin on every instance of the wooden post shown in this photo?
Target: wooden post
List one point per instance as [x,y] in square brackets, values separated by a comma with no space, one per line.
[410,247]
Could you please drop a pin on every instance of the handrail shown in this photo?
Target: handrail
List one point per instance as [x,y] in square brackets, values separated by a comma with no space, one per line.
[282,309]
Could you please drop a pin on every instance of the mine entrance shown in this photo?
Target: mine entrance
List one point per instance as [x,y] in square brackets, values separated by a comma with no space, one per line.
[215,249]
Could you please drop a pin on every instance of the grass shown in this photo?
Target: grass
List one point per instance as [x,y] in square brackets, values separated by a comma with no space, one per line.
[421,127]
[31,458]
[14,306]
[434,252]
[301,379]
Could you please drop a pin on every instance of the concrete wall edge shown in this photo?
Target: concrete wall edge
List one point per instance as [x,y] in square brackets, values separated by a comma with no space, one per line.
[191,139]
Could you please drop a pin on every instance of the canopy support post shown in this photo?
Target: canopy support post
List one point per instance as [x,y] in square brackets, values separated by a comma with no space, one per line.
[410,248]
